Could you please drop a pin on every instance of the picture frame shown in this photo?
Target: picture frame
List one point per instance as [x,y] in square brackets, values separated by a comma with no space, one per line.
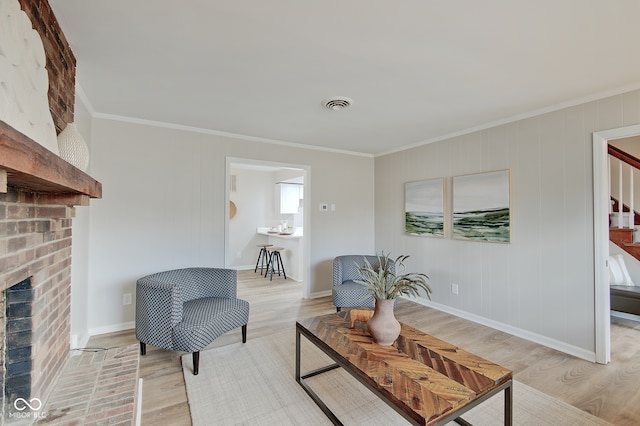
[424,208]
[482,207]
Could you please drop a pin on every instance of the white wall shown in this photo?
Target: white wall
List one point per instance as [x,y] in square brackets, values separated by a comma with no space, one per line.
[163,207]
[542,284]
[80,245]
[254,199]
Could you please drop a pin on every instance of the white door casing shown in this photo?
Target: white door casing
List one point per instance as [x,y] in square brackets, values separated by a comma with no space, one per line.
[601,236]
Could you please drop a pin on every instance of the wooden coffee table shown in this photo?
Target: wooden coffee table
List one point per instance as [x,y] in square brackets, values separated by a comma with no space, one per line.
[426,380]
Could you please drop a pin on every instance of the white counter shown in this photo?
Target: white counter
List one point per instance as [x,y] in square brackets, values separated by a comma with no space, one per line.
[265,231]
[293,248]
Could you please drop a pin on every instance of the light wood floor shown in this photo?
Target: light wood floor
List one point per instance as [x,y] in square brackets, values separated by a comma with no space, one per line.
[611,392]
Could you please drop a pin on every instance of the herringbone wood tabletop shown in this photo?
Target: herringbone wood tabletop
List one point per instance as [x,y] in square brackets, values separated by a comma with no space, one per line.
[422,374]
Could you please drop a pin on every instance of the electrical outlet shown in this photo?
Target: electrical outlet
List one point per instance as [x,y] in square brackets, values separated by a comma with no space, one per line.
[126,299]
[454,288]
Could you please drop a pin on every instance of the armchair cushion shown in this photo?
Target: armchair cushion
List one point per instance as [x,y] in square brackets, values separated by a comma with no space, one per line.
[352,294]
[206,319]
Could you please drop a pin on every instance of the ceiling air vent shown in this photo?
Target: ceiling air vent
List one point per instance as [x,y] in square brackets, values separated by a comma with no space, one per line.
[337,103]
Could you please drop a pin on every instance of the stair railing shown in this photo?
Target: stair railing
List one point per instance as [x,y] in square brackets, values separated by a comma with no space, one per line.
[623,160]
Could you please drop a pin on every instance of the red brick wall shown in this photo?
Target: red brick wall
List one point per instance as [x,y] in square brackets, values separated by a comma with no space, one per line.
[61,63]
[35,241]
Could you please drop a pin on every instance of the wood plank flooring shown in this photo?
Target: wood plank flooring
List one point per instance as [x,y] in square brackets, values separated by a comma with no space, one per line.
[611,392]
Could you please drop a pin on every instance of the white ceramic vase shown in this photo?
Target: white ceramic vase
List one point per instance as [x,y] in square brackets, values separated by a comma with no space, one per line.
[73,148]
[383,326]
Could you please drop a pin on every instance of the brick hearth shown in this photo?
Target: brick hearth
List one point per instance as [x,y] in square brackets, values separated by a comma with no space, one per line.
[95,388]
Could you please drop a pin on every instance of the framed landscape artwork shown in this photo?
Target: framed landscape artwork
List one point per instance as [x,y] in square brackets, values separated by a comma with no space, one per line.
[424,207]
[482,207]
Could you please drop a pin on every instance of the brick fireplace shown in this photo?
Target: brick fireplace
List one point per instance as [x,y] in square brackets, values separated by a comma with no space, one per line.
[38,192]
[38,195]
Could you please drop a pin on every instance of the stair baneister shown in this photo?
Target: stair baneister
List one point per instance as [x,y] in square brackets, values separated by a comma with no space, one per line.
[624,237]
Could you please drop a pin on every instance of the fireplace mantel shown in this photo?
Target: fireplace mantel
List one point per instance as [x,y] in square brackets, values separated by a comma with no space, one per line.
[28,166]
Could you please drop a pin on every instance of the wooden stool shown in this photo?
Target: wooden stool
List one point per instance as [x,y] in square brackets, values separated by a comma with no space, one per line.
[264,256]
[275,261]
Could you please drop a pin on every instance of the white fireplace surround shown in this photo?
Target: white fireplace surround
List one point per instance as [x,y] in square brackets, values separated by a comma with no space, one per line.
[23,77]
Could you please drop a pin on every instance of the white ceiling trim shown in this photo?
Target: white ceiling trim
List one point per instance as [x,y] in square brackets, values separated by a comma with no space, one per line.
[579,101]
[545,110]
[224,134]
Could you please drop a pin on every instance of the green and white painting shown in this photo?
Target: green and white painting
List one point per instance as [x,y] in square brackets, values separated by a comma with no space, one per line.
[424,208]
[481,207]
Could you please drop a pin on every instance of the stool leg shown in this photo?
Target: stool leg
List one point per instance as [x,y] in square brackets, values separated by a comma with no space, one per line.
[281,264]
[271,260]
[269,257]
[258,261]
[277,262]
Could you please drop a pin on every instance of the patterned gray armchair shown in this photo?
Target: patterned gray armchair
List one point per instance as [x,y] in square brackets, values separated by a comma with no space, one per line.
[187,309]
[346,292]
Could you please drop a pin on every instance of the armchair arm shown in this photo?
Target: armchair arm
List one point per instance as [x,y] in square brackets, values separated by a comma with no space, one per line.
[337,271]
[158,309]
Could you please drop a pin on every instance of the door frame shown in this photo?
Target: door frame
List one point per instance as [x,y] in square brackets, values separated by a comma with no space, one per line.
[306,226]
[601,237]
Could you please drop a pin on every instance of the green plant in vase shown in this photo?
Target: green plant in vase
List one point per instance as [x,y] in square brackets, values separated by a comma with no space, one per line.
[386,284]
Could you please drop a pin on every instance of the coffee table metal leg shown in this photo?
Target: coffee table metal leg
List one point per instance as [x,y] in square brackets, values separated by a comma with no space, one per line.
[300,379]
[297,356]
[508,405]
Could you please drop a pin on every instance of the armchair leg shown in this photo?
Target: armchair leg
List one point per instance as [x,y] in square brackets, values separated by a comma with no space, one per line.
[338,308]
[196,362]
[143,348]
[244,333]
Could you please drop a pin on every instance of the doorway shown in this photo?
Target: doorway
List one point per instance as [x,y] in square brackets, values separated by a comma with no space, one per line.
[251,195]
[601,237]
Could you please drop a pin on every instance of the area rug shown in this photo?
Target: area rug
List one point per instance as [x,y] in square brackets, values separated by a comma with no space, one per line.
[254,384]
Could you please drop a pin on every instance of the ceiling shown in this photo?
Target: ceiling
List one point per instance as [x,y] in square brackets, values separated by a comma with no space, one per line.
[417,70]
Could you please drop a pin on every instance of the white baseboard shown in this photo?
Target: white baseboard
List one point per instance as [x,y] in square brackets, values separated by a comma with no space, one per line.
[112,328]
[320,294]
[244,268]
[78,342]
[518,332]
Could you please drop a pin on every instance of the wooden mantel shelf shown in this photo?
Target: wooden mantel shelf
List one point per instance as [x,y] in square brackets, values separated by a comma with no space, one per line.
[28,166]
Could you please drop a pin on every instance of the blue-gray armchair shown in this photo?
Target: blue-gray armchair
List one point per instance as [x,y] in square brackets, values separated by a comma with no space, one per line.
[187,309]
[346,292]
